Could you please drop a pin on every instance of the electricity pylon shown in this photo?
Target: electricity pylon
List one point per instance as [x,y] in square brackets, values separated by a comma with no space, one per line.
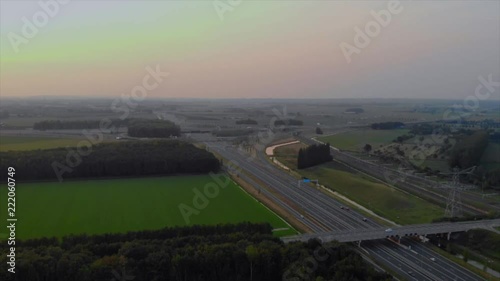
[454,202]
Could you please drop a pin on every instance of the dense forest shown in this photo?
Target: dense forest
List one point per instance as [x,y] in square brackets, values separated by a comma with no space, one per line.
[75,124]
[129,158]
[288,122]
[146,128]
[246,122]
[387,126]
[242,252]
[469,150]
[313,155]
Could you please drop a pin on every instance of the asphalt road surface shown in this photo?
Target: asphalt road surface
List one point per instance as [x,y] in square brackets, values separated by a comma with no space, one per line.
[323,213]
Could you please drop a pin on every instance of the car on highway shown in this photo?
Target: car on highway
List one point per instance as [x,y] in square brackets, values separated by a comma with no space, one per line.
[365,219]
[433,259]
[388,230]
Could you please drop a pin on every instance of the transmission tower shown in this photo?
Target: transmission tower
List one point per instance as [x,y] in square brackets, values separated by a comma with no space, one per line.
[454,202]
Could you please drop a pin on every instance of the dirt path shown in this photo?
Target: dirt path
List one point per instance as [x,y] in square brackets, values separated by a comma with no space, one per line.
[270,149]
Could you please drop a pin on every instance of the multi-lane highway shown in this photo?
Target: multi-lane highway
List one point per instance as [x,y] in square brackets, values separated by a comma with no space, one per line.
[423,187]
[322,213]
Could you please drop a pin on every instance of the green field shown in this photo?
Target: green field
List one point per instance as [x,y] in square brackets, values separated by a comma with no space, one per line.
[384,200]
[31,143]
[120,205]
[356,140]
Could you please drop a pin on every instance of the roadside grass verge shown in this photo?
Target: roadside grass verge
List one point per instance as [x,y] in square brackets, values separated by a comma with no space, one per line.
[388,202]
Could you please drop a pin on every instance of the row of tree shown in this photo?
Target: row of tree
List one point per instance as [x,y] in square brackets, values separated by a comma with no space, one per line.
[387,125]
[313,155]
[243,252]
[75,124]
[469,150]
[129,158]
[246,122]
[147,128]
[137,127]
[403,138]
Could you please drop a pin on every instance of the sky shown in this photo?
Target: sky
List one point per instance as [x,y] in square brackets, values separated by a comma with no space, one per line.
[249,49]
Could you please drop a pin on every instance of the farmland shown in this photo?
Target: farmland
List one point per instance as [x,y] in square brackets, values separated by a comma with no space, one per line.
[32,143]
[355,140]
[120,205]
[385,201]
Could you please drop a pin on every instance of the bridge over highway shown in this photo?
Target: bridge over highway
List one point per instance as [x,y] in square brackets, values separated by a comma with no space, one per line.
[402,231]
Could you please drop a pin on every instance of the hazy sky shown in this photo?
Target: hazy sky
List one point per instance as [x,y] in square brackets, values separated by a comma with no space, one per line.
[275,49]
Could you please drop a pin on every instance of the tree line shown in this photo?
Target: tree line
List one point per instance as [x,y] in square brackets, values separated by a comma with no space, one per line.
[128,158]
[137,127]
[147,128]
[246,122]
[313,155]
[244,252]
[74,124]
[469,150]
[387,125]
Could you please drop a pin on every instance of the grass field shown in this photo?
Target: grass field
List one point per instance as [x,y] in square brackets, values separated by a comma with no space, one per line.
[356,140]
[384,200]
[120,205]
[31,143]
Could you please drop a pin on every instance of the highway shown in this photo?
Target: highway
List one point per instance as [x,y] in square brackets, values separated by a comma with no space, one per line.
[322,214]
[423,187]
[414,258]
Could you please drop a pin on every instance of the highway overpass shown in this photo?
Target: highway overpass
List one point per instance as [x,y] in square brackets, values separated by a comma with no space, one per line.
[402,231]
